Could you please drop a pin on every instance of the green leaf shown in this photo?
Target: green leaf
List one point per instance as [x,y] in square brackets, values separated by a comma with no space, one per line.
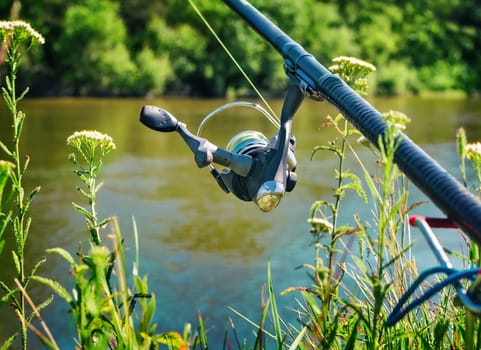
[30,197]
[26,164]
[351,342]
[36,267]
[172,339]
[26,232]
[22,95]
[5,149]
[16,261]
[56,287]
[298,339]
[8,343]
[8,99]
[311,303]
[33,193]
[355,185]
[45,303]
[319,204]
[10,295]
[19,120]
[63,253]
[203,336]
[326,148]
[276,319]
[8,83]
[461,141]
[83,211]
[104,222]
[4,222]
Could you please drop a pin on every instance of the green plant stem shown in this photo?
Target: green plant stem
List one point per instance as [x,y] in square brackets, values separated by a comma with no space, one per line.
[19,221]
[337,203]
[470,324]
[95,229]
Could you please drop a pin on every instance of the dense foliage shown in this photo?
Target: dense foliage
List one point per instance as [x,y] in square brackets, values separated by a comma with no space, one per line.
[139,47]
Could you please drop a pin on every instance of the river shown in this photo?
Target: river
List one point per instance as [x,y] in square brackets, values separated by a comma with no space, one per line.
[203,250]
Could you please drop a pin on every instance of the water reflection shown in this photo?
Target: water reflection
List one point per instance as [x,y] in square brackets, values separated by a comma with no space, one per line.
[202,249]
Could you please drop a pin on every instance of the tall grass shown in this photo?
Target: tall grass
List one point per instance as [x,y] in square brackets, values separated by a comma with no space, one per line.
[348,303]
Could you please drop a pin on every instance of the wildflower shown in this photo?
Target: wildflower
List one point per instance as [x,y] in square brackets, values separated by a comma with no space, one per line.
[320,225]
[353,71]
[353,62]
[20,31]
[396,118]
[6,166]
[88,142]
[92,139]
[473,153]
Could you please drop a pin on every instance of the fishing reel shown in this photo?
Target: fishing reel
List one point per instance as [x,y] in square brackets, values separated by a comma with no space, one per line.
[256,169]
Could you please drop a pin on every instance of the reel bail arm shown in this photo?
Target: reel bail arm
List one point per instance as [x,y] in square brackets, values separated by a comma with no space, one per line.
[278,178]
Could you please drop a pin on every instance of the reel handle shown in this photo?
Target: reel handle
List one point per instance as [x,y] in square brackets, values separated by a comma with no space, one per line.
[158,119]
[205,152]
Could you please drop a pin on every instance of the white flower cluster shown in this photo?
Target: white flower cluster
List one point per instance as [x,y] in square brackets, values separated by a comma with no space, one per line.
[6,166]
[20,30]
[473,152]
[353,61]
[353,71]
[320,225]
[93,138]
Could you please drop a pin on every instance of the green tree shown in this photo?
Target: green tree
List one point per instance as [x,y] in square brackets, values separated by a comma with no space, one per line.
[95,58]
[113,47]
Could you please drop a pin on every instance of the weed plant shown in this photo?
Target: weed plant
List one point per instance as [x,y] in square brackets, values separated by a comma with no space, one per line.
[111,308]
[347,305]
[17,38]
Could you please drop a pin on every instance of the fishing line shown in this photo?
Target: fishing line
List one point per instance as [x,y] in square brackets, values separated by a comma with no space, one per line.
[231,56]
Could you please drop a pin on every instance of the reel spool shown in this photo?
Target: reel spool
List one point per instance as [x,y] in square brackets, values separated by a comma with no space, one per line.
[256,145]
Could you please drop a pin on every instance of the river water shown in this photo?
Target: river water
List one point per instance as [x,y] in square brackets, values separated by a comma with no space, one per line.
[203,250]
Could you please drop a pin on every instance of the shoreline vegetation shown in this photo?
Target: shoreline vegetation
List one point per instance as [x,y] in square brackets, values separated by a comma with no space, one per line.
[133,48]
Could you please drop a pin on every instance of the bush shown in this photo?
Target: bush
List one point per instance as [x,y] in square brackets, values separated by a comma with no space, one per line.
[153,72]
[394,79]
[441,76]
[103,66]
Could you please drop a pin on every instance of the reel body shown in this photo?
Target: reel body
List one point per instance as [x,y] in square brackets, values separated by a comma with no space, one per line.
[256,169]
[256,186]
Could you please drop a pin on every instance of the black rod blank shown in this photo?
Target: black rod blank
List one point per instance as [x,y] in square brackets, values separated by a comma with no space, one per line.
[445,191]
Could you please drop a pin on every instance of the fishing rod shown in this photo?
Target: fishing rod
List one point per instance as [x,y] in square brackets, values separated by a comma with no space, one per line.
[262,170]
[445,191]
